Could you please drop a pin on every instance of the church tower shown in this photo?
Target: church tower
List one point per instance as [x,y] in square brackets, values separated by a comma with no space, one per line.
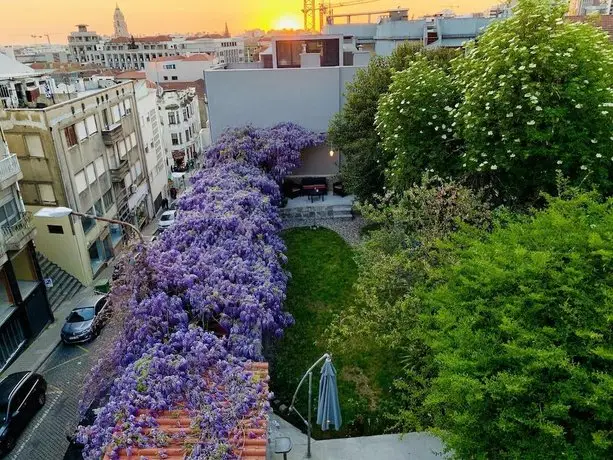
[119,22]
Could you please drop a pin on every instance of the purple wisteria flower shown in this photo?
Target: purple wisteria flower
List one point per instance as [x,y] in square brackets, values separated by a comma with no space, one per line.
[197,303]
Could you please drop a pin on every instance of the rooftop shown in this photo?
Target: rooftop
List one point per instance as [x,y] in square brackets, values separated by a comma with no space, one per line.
[248,439]
[132,75]
[147,39]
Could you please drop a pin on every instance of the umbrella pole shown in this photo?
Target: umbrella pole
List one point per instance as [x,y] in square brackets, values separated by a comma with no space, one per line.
[309,415]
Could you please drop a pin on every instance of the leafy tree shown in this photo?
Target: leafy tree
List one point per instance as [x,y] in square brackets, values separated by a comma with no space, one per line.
[415,123]
[391,261]
[352,130]
[537,97]
[524,338]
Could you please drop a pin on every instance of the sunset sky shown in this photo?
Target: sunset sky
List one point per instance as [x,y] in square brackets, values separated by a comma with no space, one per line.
[58,18]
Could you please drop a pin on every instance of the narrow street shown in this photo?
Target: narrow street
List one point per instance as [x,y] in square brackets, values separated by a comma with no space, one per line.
[65,370]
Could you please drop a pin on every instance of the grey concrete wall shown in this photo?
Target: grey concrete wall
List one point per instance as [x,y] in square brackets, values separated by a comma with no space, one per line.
[308,97]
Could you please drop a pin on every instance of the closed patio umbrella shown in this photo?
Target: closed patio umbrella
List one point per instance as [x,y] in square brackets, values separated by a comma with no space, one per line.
[328,407]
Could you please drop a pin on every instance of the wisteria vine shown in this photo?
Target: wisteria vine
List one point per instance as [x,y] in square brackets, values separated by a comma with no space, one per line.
[195,308]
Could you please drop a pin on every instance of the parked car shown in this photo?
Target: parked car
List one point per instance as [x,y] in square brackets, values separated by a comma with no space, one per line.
[86,320]
[167,219]
[21,395]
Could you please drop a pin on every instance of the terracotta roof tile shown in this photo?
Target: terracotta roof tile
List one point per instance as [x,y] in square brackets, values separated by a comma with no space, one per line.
[133,75]
[180,85]
[251,447]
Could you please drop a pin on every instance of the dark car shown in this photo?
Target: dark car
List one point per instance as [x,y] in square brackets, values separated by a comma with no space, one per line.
[85,321]
[21,395]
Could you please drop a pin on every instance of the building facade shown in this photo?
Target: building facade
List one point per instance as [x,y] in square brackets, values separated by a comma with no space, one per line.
[132,53]
[179,68]
[24,305]
[299,79]
[394,28]
[180,118]
[153,143]
[85,154]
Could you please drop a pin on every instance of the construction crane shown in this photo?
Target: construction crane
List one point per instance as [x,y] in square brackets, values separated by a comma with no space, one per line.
[43,36]
[310,11]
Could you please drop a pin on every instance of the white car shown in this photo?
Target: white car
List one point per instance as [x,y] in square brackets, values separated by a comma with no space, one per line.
[167,219]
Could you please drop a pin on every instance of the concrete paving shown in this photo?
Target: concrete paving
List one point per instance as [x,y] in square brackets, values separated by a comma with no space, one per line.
[410,446]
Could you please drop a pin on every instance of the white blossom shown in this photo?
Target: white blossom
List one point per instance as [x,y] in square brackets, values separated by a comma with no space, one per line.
[531,123]
[594,141]
[578,106]
[583,167]
[538,108]
[494,167]
[598,155]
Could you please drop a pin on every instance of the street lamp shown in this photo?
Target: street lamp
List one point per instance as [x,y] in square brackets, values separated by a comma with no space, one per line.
[61,211]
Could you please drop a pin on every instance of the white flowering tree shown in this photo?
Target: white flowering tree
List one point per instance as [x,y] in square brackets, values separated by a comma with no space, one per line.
[537,97]
[415,124]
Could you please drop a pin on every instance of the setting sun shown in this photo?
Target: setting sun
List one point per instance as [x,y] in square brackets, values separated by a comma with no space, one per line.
[287,22]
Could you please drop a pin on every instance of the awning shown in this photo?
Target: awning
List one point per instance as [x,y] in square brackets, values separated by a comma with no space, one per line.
[178,175]
[178,154]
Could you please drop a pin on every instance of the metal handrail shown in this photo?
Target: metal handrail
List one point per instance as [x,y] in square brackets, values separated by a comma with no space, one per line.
[20,228]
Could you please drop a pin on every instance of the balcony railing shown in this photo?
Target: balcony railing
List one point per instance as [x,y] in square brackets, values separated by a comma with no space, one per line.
[9,167]
[15,234]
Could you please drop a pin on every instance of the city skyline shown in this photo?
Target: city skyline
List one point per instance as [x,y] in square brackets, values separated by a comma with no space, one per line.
[153,17]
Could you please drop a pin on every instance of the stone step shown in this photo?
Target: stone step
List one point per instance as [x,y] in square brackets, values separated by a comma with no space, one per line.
[65,286]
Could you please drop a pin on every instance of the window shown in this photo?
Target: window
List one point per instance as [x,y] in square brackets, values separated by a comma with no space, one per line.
[172,118]
[46,193]
[165,78]
[170,66]
[99,166]
[133,139]
[80,181]
[128,103]
[98,207]
[121,146]
[175,138]
[139,168]
[87,222]
[90,122]
[35,147]
[174,77]
[128,181]
[57,229]
[116,114]
[186,135]
[91,173]
[9,212]
[122,109]
[81,131]
[71,136]
[180,139]
[107,198]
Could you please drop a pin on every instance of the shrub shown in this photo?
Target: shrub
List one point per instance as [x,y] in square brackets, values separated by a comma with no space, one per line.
[524,344]
[537,98]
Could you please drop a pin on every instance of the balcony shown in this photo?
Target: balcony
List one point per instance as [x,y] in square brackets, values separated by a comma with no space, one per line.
[119,171]
[10,172]
[112,134]
[17,235]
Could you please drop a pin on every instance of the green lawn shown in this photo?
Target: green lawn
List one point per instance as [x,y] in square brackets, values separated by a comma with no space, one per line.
[323,273]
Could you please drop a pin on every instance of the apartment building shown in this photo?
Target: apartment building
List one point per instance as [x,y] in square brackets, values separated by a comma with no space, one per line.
[179,68]
[20,85]
[85,45]
[86,154]
[153,144]
[180,117]
[24,306]
[132,53]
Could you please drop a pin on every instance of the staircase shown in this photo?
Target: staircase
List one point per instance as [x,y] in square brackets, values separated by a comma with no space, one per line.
[65,286]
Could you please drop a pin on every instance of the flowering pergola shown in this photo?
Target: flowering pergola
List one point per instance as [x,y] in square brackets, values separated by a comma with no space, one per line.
[197,305]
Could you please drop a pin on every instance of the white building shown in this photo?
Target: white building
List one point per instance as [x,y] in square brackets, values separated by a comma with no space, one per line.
[132,53]
[84,45]
[300,79]
[153,142]
[19,84]
[180,117]
[179,68]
